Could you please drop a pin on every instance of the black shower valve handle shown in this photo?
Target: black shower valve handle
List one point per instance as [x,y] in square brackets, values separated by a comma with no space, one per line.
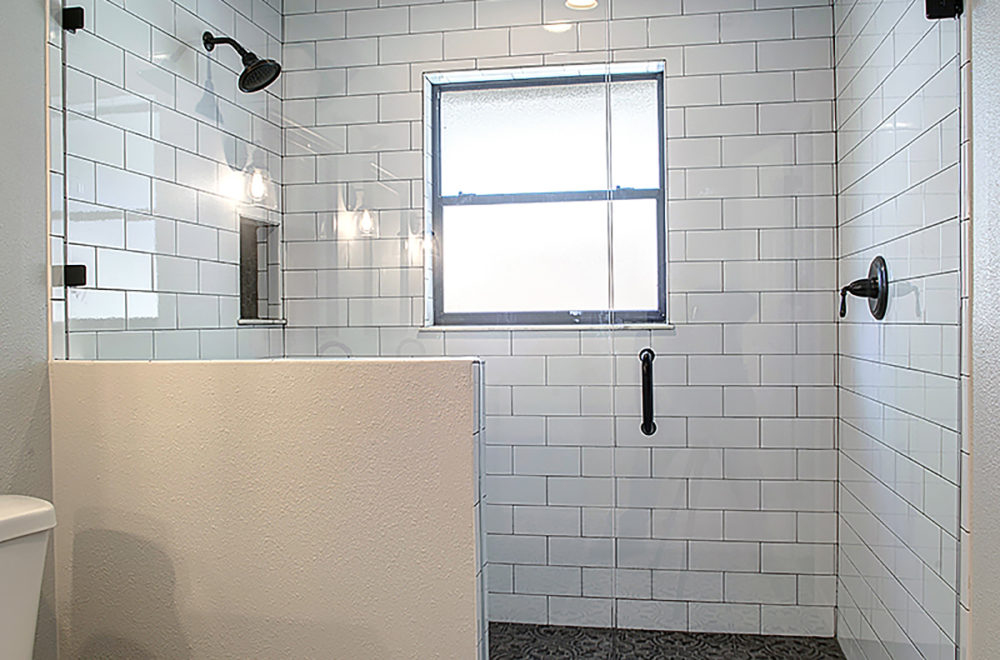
[864,288]
[875,288]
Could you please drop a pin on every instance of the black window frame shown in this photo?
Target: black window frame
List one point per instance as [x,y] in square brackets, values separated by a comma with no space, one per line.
[548,318]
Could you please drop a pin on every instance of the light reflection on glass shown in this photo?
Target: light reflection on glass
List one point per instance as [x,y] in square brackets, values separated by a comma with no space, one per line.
[258,187]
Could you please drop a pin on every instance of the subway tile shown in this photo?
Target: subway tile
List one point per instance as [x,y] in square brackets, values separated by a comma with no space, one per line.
[817,559]
[124,346]
[377,22]
[723,432]
[722,58]
[547,580]
[760,525]
[687,586]
[94,140]
[760,464]
[651,553]
[97,57]
[687,524]
[442,17]
[798,495]
[411,48]
[805,53]
[120,269]
[684,462]
[758,87]
[518,608]
[760,588]
[651,493]
[769,401]
[547,520]
[647,614]
[549,400]
[497,13]
[517,549]
[761,25]
[592,612]
[710,121]
[723,617]
[681,30]
[723,494]
[797,620]
[566,551]
[315,26]
[346,52]
[579,491]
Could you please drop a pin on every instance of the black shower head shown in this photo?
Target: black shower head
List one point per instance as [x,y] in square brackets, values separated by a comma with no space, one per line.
[257,73]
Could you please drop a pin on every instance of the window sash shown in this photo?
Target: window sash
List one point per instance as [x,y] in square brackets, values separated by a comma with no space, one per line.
[555,317]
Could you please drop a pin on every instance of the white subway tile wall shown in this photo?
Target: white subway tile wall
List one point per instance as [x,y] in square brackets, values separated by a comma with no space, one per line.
[159,150]
[725,518]
[899,121]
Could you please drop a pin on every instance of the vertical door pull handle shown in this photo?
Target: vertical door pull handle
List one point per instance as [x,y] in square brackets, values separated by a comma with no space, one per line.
[646,357]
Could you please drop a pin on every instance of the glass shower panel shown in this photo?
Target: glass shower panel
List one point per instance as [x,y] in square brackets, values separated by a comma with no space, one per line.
[164,157]
[901,378]
[548,468]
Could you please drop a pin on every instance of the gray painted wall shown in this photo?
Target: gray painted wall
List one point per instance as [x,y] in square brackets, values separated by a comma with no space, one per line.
[985,427]
[25,455]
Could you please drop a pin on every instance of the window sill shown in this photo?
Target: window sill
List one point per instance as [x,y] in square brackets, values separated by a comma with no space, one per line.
[590,327]
[261,322]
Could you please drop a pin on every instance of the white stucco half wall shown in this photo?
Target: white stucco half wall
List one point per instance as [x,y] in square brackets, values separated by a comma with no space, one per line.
[269,509]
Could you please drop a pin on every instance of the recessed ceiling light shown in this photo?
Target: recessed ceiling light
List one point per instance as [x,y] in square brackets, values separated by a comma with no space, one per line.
[581,4]
[558,27]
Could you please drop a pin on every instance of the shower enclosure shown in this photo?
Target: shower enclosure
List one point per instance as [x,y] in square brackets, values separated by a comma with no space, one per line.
[557,190]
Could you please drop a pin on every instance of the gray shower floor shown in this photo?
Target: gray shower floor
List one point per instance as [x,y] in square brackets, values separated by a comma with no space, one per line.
[515,641]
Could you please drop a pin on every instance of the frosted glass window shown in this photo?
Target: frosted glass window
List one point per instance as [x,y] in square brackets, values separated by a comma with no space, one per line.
[510,258]
[635,141]
[549,138]
[549,202]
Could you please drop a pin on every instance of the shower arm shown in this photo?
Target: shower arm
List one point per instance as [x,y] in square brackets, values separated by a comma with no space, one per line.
[210,41]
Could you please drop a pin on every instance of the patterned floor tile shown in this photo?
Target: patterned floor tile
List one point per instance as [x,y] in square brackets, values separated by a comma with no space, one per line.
[514,641]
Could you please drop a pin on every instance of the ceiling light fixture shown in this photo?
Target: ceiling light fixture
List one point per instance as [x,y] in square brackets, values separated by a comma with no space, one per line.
[581,4]
[558,27]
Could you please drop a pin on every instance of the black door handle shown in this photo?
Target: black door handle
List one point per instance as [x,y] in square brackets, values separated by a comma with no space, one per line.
[646,357]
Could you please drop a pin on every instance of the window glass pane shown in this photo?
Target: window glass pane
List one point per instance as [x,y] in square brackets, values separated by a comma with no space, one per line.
[523,139]
[635,260]
[635,127]
[525,257]
[549,257]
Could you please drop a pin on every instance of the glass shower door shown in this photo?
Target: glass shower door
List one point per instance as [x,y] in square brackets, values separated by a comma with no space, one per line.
[637,270]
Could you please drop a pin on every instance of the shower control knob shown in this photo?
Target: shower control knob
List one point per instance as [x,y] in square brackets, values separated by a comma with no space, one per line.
[875,288]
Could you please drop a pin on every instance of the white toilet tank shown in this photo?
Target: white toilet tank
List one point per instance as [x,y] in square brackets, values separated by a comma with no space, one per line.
[24,534]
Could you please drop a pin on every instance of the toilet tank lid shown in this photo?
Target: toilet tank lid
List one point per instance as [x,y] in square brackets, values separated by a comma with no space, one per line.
[21,515]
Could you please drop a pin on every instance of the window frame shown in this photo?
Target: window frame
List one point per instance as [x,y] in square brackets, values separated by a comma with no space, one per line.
[436,202]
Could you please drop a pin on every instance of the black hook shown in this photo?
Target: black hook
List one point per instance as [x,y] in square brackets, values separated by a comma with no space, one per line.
[875,288]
